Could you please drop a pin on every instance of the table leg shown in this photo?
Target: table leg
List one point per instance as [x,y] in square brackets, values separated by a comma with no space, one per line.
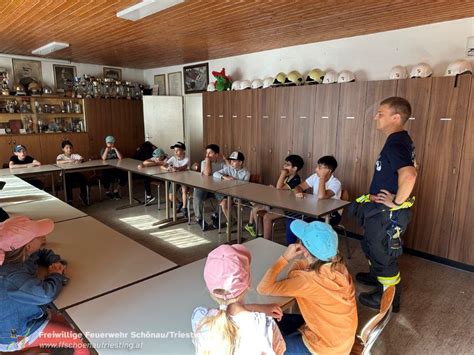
[64,186]
[52,185]
[239,221]
[168,222]
[130,194]
[173,192]
[326,219]
[167,192]
[229,219]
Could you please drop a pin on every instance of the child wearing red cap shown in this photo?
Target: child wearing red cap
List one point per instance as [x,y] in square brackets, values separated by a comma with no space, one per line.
[323,289]
[235,328]
[25,321]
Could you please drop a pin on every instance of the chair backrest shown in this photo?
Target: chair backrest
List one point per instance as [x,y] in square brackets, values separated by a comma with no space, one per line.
[256,178]
[375,325]
[345,195]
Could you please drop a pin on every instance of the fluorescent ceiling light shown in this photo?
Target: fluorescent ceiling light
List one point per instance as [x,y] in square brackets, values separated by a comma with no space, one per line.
[50,48]
[146,8]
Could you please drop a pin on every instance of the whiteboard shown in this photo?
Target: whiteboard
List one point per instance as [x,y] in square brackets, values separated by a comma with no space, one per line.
[164,124]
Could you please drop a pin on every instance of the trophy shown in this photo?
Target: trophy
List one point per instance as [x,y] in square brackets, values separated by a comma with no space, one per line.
[4,79]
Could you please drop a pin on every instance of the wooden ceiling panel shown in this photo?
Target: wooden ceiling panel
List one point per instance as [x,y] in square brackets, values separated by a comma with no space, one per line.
[199,30]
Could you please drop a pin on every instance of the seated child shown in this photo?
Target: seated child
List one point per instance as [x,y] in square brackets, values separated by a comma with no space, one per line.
[179,162]
[287,180]
[323,289]
[112,178]
[73,179]
[235,171]
[25,321]
[325,185]
[158,159]
[21,159]
[235,328]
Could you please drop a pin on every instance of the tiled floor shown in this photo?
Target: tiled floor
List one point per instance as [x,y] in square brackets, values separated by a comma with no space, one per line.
[437,315]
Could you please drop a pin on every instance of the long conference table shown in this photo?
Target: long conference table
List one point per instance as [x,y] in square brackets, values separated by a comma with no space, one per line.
[233,189]
[155,315]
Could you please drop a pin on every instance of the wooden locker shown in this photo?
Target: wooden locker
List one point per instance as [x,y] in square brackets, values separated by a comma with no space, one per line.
[207,117]
[284,118]
[6,150]
[303,124]
[350,136]
[441,162]
[417,92]
[99,122]
[51,145]
[223,128]
[254,163]
[374,139]
[326,105]
[461,239]
[266,116]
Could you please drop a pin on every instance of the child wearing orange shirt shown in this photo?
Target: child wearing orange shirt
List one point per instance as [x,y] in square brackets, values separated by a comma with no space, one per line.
[323,290]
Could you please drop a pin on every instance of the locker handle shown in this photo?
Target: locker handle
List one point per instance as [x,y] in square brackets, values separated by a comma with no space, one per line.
[254,149]
[289,151]
[208,115]
[303,117]
[309,155]
[234,116]
[270,150]
[350,118]
[265,116]
[249,116]
[324,116]
[221,116]
[411,118]
[282,116]
[445,119]
[454,170]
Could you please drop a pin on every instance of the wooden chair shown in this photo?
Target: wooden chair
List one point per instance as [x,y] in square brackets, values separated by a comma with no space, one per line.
[371,331]
[345,197]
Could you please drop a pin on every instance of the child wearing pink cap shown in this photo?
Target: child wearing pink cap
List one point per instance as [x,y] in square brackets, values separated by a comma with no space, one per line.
[25,321]
[235,328]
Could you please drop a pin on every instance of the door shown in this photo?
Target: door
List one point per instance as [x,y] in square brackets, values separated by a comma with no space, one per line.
[303,124]
[373,138]
[441,164]
[418,93]
[266,117]
[99,124]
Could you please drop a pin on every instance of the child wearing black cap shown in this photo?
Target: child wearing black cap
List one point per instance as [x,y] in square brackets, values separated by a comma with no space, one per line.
[235,171]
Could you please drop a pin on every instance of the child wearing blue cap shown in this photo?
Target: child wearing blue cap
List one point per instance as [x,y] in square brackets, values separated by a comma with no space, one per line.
[158,158]
[323,289]
[21,159]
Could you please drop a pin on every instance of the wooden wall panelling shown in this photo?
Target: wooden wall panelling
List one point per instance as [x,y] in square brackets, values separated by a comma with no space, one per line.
[268,141]
[6,149]
[120,127]
[350,128]
[223,134]
[208,117]
[99,123]
[374,139]
[284,118]
[303,124]
[441,162]
[254,123]
[51,145]
[418,93]
[461,239]
[326,105]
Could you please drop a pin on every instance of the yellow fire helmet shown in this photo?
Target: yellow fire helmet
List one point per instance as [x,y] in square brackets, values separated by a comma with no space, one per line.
[280,79]
[294,78]
[315,76]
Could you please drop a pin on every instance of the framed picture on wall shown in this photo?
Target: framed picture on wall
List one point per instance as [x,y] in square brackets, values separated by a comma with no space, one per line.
[26,72]
[160,80]
[175,84]
[196,78]
[64,77]
[113,73]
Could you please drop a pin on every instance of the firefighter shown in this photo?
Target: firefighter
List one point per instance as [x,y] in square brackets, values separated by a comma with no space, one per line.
[385,212]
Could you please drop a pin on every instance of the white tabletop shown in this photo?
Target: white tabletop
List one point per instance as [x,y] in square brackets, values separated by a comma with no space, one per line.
[132,166]
[195,179]
[42,169]
[100,260]
[87,165]
[165,303]
[310,205]
[20,198]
